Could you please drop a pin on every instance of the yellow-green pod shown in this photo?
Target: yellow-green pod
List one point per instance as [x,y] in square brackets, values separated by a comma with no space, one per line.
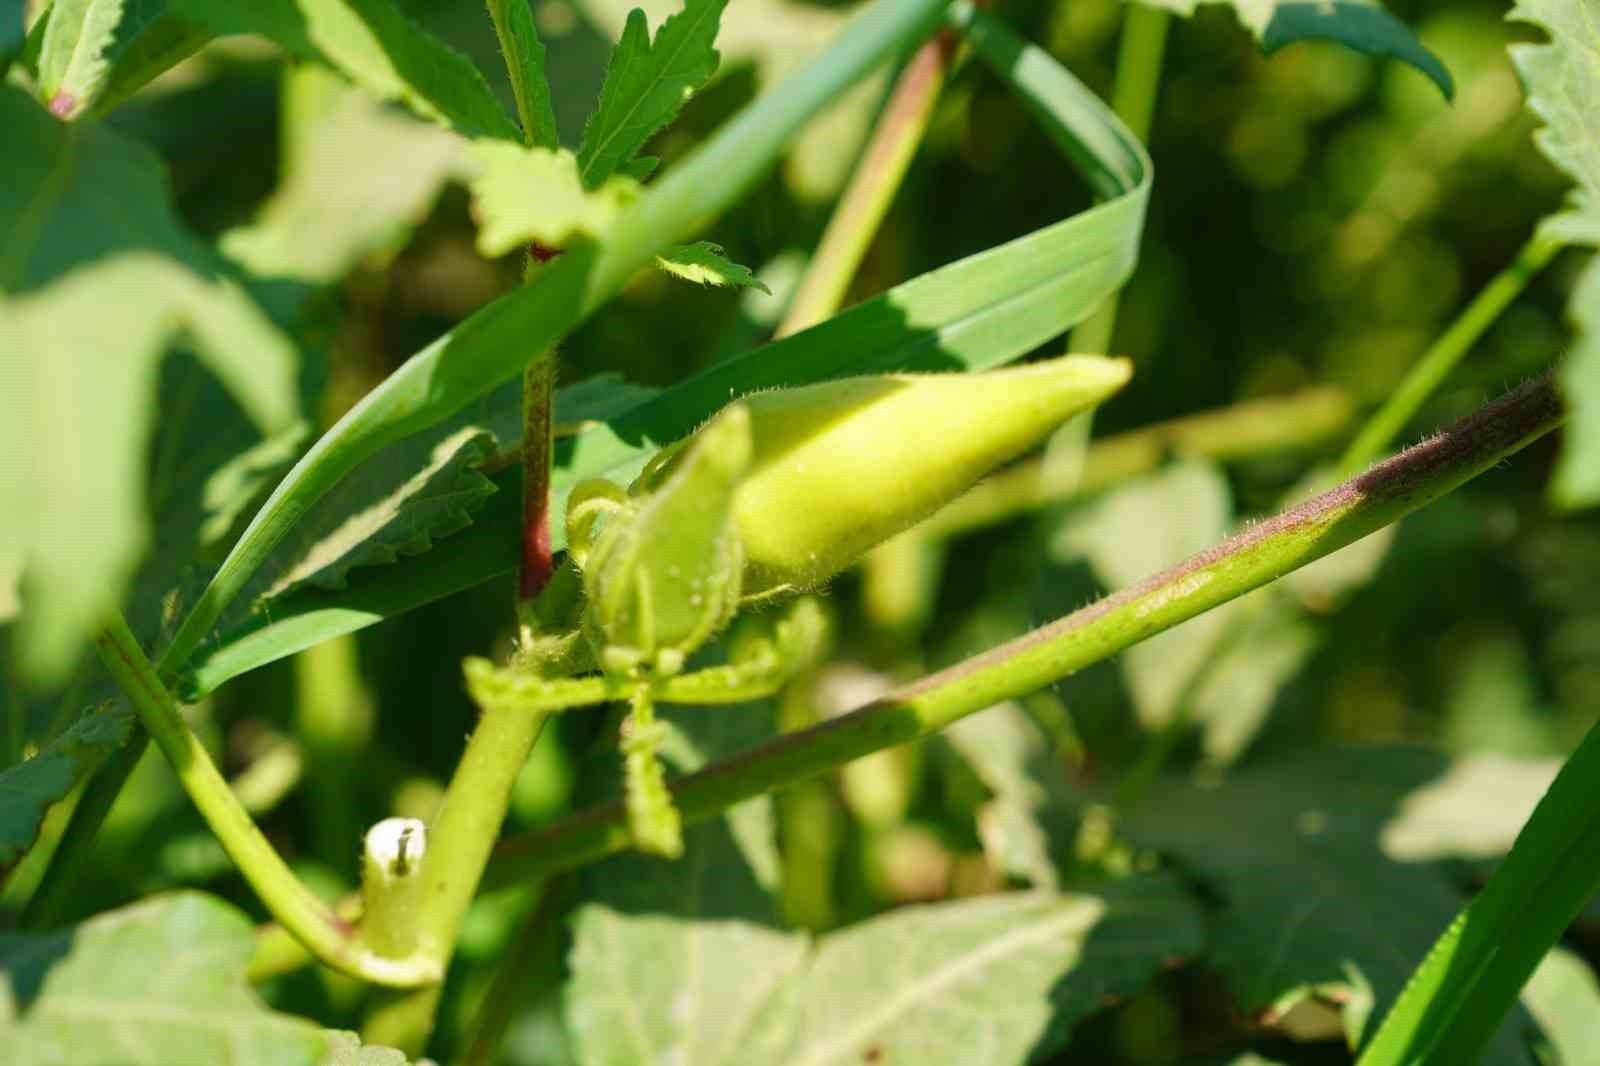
[841,466]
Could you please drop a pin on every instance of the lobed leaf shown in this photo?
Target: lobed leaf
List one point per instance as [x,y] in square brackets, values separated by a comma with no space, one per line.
[646,83]
[1311,904]
[536,194]
[524,54]
[1358,24]
[706,264]
[29,788]
[1561,76]
[97,278]
[153,984]
[72,55]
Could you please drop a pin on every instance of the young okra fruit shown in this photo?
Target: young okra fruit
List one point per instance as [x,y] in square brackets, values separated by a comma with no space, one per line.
[774,495]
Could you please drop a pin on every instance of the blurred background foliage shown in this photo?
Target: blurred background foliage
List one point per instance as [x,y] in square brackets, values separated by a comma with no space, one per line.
[1318,217]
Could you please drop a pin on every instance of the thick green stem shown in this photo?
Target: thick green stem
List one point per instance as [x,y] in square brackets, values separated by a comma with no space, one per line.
[1133,98]
[1436,363]
[1260,554]
[290,902]
[333,718]
[872,187]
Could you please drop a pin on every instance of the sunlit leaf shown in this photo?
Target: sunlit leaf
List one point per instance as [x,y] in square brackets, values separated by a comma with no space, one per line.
[157,983]
[535,194]
[706,264]
[346,1049]
[1565,998]
[96,280]
[524,54]
[646,83]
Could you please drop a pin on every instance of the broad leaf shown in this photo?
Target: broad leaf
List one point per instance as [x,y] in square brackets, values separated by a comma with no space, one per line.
[357,179]
[646,83]
[535,194]
[1565,998]
[157,983]
[1310,902]
[371,42]
[28,789]
[706,264]
[1561,77]
[1358,24]
[11,32]
[96,280]
[524,53]
[995,979]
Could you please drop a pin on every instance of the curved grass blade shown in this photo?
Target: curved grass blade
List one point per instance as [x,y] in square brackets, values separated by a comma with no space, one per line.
[500,340]
[979,312]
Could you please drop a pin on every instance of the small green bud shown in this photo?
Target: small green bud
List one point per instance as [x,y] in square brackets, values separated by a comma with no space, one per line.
[841,466]
[662,573]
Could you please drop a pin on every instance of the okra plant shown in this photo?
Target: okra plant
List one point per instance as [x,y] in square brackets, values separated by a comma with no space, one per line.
[563,643]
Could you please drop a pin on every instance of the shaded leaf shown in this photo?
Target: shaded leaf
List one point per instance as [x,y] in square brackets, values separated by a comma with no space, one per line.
[524,54]
[29,788]
[1358,24]
[374,518]
[371,42]
[96,279]
[706,264]
[535,194]
[12,31]
[1561,77]
[1310,902]
[157,983]
[995,979]
[358,178]
[646,83]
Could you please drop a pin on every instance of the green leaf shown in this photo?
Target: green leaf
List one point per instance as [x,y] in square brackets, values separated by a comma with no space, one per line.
[1565,998]
[346,1049]
[96,280]
[428,487]
[72,60]
[1294,849]
[994,979]
[12,32]
[357,179]
[706,264]
[524,52]
[979,312]
[1358,24]
[371,42]
[29,788]
[535,194]
[646,83]
[1560,77]
[157,983]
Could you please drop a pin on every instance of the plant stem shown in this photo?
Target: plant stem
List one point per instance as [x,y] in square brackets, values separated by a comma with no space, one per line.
[333,718]
[532,961]
[1133,98]
[290,902]
[1260,554]
[1241,431]
[538,443]
[872,187]
[1443,355]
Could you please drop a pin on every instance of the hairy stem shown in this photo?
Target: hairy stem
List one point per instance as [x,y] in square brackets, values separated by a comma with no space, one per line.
[1133,98]
[538,443]
[872,187]
[1428,372]
[1260,554]
[290,902]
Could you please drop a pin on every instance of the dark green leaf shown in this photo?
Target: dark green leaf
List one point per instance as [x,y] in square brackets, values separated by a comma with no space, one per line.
[28,789]
[12,32]
[646,83]
[1365,27]
[158,983]
[706,264]
[1310,901]
[96,280]
[524,53]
